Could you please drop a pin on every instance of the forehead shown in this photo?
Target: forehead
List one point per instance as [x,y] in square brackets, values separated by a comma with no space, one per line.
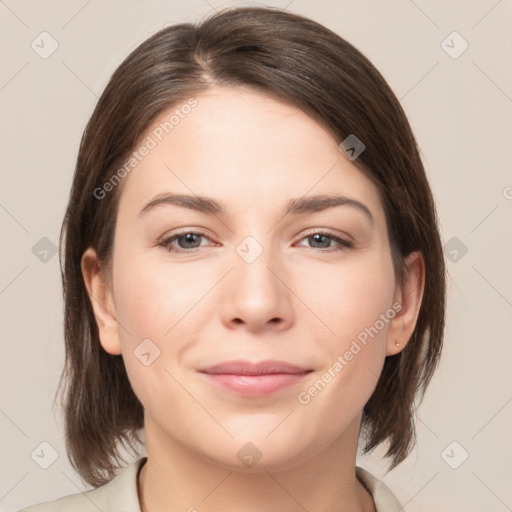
[245,148]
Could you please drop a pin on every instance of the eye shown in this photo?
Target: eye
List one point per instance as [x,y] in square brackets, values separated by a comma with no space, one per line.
[323,241]
[189,242]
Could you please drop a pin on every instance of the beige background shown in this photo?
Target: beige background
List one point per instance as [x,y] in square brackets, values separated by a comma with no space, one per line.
[461,112]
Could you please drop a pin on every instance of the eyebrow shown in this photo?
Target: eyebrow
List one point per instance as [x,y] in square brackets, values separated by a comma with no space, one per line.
[296,206]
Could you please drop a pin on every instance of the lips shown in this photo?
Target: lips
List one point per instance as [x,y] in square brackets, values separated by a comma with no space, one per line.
[254,379]
[242,367]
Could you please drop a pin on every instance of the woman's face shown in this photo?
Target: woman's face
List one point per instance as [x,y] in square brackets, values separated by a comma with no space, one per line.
[313,288]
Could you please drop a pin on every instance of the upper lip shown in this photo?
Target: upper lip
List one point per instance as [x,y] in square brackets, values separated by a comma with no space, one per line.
[243,367]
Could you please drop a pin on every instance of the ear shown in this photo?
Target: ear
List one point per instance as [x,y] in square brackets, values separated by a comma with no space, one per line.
[409,296]
[102,302]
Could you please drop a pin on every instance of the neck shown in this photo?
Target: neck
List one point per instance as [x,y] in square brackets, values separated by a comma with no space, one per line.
[179,479]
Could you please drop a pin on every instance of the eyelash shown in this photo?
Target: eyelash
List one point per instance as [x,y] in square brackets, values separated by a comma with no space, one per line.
[167,242]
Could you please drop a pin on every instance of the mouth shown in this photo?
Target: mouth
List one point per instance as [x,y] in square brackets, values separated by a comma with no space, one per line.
[254,379]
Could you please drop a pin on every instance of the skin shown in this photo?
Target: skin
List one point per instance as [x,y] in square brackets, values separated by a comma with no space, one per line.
[300,301]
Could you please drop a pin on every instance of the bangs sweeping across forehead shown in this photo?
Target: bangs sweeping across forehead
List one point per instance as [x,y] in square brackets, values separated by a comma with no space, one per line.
[295,60]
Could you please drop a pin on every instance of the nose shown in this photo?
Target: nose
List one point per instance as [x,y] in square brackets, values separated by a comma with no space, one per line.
[257,293]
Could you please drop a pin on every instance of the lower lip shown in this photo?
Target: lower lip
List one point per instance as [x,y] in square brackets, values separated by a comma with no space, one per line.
[255,385]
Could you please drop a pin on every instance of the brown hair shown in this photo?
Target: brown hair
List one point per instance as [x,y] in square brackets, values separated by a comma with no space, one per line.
[293,59]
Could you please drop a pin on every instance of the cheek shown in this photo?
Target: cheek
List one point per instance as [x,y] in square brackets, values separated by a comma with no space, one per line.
[151,297]
[155,311]
[162,303]
[351,296]
[354,303]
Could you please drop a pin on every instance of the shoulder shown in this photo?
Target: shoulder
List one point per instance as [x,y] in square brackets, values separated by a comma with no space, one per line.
[384,499]
[118,495]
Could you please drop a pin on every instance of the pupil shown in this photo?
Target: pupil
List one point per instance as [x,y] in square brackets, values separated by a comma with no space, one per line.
[189,238]
[318,237]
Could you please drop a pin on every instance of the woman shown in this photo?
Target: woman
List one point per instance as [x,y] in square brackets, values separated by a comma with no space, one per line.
[253,274]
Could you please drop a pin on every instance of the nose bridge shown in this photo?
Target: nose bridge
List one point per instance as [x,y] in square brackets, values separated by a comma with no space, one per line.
[254,259]
[258,247]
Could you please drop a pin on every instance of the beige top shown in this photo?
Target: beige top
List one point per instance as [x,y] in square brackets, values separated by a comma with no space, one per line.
[120,495]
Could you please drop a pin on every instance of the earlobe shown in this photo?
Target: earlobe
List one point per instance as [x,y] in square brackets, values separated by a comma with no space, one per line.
[409,296]
[100,296]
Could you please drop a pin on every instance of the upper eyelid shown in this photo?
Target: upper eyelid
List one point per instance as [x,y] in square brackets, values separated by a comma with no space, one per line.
[201,231]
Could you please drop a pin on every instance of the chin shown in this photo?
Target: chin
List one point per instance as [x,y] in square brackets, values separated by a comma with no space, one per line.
[258,454]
